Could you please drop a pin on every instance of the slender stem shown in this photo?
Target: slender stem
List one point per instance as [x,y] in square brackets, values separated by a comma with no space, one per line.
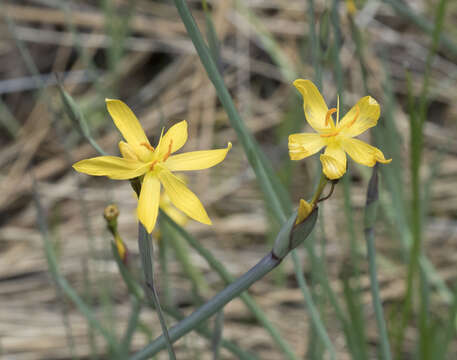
[312,310]
[371,253]
[138,293]
[370,219]
[263,267]
[146,252]
[132,324]
[228,278]
[320,188]
[329,194]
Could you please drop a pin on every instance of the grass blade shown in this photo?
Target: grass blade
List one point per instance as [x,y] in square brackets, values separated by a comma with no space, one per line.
[274,192]
[370,219]
[62,282]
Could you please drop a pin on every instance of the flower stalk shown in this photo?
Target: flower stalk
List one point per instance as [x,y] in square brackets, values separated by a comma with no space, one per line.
[289,237]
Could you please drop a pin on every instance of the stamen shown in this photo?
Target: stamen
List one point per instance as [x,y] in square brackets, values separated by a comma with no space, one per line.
[147,146]
[337,110]
[152,165]
[328,117]
[169,151]
[334,133]
[355,117]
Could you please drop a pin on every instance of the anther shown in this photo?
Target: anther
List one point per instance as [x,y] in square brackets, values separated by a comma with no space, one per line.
[147,146]
[152,165]
[169,151]
[329,116]
[334,133]
[355,117]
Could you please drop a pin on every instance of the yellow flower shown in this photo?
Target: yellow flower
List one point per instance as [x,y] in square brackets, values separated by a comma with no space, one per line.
[338,139]
[166,206]
[155,165]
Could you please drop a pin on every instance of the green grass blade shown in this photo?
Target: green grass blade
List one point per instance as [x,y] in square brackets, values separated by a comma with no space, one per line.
[315,48]
[216,340]
[62,282]
[132,324]
[274,192]
[370,219]
[269,43]
[169,235]
[312,310]
[405,11]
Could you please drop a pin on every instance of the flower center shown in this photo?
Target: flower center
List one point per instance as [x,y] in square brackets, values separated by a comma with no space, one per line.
[164,158]
[336,130]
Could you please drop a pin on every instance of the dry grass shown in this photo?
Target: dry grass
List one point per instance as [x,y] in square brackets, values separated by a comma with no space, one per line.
[161,77]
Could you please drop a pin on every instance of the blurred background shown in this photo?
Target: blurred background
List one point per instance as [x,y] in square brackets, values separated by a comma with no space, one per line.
[139,52]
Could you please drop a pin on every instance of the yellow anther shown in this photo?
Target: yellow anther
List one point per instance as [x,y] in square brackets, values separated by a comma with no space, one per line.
[328,117]
[334,133]
[147,146]
[355,117]
[152,165]
[169,151]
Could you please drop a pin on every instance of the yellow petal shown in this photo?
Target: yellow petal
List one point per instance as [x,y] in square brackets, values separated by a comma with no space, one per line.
[363,153]
[361,117]
[112,166]
[148,203]
[181,197]
[333,161]
[304,145]
[314,104]
[176,136]
[129,126]
[304,209]
[197,160]
[127,151]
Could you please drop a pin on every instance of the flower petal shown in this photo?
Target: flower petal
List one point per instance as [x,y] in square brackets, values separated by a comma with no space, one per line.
[148,203]
[127,151]
[361,117]
[176,136]
[363,153]
[333,161]
[304,209]
[112,166]
[184,199]
[126,121]
[304,145]
[197,160]
[314,104]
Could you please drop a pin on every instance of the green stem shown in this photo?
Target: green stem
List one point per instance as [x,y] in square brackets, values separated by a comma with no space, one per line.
[370,218]
[228,278]
[312,310]
[136,290]
[145,248]
[317,194]
[263,267]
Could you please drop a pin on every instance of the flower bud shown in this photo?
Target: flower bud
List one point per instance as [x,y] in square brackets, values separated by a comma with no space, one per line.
[111,213]
[304,210]
[292,234]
